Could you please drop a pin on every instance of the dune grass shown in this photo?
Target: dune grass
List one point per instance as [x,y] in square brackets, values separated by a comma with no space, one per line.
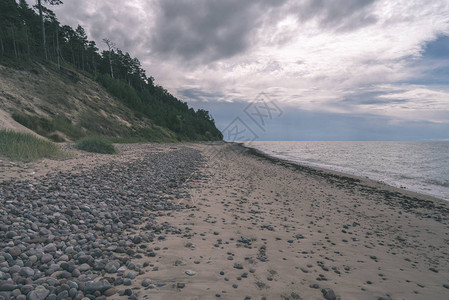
[26,147]
[96,145]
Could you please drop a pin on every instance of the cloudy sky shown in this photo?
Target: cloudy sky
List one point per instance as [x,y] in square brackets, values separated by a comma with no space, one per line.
[338,69]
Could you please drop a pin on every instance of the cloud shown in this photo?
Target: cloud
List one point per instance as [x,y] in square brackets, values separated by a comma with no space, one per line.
[207,30]
[379,58]
[338,15]
[126,23]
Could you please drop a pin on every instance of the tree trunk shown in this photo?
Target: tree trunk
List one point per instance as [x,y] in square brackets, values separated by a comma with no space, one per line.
[57,47]
[14,42]
[28,44]
[110,64]
[93,64]
[73,56]
[2,46]
[82,59]
[44,42]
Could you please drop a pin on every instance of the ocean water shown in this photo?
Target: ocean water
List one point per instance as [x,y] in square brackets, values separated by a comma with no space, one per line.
[417,166]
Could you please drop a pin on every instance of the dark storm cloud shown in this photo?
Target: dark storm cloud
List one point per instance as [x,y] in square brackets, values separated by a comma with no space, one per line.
[203,31]
[107,19]
[207,30]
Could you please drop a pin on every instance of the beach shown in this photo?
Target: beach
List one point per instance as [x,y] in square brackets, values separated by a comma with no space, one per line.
[226,222]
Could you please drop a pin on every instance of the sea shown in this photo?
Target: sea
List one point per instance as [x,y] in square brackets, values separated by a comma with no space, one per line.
[421,167]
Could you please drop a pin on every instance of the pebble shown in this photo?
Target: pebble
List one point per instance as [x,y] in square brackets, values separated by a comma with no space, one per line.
[146,282]
[40,293]
[59,232]
[328,294]
[180,285]
[238,266]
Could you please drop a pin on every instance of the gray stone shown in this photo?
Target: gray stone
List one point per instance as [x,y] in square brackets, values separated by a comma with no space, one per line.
[93,286]
[73,292]
[328,294]
[26,272]
[146,282]
[180,285]
[40,293]
[131,275]
[25,289]
[46,258]
[110,292]
[63,295]
[7,286]
[50,248]
[112,266]
[15,251]
[127,282]
[84,267]
[52,297]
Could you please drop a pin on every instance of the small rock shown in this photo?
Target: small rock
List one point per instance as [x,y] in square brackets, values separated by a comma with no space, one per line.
[110,292]
[328,294]
[190,272]
[50,248]
[15,251]
[46,258]
[238,266]
[180,285]
[26,272]
[40,293]
[146,282]
[93,286]
[112,266]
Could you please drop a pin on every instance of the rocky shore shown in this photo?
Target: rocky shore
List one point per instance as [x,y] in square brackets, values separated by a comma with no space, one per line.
[74,235]
[209,221]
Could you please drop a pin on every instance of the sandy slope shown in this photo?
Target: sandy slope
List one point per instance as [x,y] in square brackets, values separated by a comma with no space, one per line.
[8,123]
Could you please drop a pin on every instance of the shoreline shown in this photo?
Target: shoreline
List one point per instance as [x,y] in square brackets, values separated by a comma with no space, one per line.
[217,220]
[340,173]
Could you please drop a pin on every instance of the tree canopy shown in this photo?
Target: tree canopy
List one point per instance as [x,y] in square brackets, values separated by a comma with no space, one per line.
[27,32]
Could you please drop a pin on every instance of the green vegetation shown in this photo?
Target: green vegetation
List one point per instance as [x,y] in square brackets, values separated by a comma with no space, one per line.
[157,104]
[49,128]
[154,133]
[97,124]
[23,40]
[26,147]
[96,145]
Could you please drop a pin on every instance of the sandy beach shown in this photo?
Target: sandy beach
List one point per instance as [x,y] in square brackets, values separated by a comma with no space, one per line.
[297,230]
[253,227]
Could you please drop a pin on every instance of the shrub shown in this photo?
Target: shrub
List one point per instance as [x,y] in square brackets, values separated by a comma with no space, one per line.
[96,145]
[26,147]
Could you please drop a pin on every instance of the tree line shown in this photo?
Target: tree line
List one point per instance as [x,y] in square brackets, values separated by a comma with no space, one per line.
[34,34]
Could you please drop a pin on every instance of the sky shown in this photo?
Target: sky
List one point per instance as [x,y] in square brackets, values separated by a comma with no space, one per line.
[329,69]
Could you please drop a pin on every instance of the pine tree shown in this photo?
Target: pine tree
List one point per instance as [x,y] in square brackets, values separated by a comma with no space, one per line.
[41,15]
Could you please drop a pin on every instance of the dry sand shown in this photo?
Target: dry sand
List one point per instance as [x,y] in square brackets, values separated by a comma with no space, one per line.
[259,227]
